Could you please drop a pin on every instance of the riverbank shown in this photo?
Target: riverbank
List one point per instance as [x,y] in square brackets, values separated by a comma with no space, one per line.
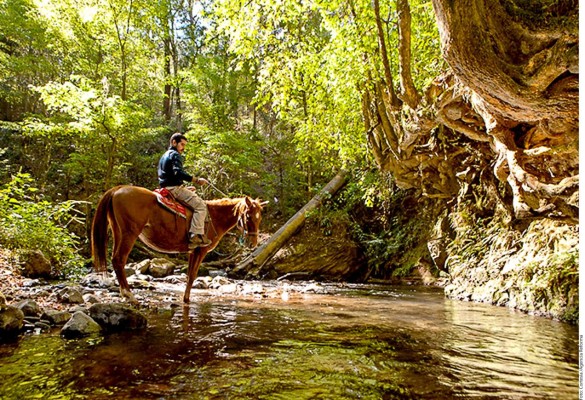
[535,270]
[512,270]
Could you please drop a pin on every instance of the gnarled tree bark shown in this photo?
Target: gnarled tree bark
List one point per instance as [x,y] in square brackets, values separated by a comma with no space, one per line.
[510,105]
[519,61]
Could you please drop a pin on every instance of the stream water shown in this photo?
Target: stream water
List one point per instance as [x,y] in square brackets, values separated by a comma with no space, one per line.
[345,342]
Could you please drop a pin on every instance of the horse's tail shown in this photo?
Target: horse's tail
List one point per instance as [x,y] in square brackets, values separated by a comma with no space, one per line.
[99,231]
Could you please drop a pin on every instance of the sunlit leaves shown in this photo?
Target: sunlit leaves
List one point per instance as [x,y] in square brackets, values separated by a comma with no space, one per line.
[27,221]
[298,73]
[314,57]
[102,123]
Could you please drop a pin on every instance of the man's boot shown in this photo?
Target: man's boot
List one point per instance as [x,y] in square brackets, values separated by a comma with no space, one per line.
[198,241]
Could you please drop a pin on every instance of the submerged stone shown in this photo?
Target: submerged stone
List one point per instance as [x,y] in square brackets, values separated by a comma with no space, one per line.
[80,325]
[116,317]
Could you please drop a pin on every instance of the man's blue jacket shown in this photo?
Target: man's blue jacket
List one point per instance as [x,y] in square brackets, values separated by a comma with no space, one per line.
[170,169]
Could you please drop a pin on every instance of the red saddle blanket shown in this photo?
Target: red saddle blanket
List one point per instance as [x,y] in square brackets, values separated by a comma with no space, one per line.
[166,199]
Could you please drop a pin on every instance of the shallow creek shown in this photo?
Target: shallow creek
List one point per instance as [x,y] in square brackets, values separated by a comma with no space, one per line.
[340,342]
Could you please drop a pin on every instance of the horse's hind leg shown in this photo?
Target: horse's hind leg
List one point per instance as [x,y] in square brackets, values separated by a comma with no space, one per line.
[123,244]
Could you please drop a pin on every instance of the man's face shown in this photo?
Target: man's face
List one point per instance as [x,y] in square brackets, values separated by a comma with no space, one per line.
[181,146]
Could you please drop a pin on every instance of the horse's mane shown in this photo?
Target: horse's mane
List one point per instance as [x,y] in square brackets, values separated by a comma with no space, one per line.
[239,204]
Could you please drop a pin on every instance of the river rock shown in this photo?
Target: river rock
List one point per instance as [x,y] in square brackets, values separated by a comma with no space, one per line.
[56,317]
[140,282]
[80,308]
[174,279]
[312,255]
[29,283]
[91,298]
[80,325]
[29,308]
[117,316]
[98,280]
[42,326]
[42,293]
[215,272]
[34,264]
[161,267]
[202,282]
[11,321]
[219,281]
[70,295]
[142,267]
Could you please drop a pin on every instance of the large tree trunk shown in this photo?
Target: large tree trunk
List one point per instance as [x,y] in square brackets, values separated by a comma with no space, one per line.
[519,60]
[510,106]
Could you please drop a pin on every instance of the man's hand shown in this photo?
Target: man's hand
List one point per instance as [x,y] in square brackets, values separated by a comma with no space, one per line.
[201,181]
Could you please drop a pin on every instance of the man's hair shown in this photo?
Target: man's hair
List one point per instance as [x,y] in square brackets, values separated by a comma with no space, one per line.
[177,137]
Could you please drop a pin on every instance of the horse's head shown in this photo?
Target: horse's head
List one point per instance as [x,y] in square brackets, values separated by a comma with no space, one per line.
[250,215]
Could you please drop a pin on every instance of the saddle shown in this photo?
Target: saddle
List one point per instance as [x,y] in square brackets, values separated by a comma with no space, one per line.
[168,201]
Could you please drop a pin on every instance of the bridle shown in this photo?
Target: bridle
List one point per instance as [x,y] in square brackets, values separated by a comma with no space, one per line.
[242,223]
[244,218]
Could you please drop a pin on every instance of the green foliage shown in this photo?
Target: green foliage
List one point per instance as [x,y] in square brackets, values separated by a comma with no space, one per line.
[299,75]
[27,221]
[391,225]
[557,277]
[232,160]
[31,50]
[97,124]
[282,78]
[398,247]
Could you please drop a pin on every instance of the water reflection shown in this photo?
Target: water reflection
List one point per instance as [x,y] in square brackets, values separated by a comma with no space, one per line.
[510,353]
[365,342]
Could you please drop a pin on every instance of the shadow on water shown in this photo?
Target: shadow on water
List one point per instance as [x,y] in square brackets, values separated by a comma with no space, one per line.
[363,342]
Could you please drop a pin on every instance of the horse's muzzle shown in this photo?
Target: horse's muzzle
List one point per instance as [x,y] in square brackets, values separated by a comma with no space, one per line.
[252,239]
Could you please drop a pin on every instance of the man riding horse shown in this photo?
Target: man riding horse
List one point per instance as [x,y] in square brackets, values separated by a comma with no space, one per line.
[133,212]
[171,176]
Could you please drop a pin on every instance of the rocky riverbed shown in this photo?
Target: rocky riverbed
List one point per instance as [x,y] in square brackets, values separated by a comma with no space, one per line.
[93,304]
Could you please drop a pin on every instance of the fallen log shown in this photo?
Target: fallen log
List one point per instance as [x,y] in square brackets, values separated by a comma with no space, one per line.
[253,264]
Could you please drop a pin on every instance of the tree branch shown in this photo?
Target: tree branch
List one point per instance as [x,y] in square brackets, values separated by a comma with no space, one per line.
[408,91]
[394,100]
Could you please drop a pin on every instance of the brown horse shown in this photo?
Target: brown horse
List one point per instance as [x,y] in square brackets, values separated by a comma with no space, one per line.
[134,213]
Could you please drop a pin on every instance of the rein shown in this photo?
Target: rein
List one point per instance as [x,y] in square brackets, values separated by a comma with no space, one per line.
[220,192]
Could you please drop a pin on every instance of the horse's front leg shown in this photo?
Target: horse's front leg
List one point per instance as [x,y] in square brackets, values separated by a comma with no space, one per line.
[195,259]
